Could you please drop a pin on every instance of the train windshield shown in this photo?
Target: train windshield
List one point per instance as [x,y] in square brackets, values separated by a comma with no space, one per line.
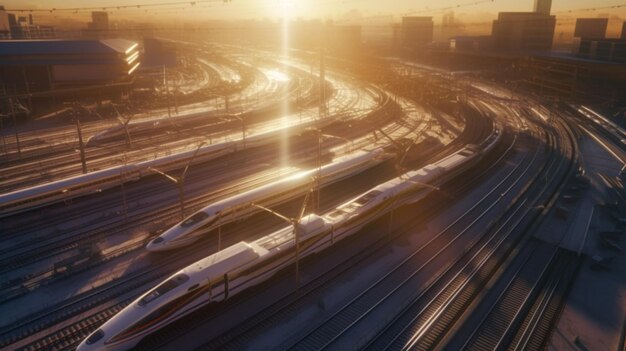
[95,337]
[163,288]
[197,217]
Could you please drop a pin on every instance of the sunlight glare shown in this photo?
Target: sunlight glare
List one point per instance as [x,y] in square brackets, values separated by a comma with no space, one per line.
[284,8]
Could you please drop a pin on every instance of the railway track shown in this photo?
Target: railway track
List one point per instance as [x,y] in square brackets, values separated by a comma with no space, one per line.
[430,314]
[327,333]
[168,211]
[28,170]
[240,335]
[46,247]
[405,276]
[22,335]
[521,307]
[74,331]
[56,340]
[540,277]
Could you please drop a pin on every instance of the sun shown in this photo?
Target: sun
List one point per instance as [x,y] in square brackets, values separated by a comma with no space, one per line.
[283,8]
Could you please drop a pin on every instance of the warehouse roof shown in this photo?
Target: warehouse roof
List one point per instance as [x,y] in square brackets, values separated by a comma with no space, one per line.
[65,47]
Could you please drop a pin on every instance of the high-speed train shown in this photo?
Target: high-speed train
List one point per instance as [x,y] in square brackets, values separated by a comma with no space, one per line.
[72,187]
[238,267]
[240,205]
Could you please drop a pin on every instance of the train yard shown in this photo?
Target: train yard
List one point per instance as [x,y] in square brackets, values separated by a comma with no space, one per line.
[452,260]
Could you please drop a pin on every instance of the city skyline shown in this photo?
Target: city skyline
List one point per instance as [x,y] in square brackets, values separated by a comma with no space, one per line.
[309,9]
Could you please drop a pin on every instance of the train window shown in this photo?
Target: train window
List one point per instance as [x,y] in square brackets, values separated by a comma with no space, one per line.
[193,287]
[163,288]
[95,336]
[157,240]
[209,224]
[197,217]
[336,213]
[367,197]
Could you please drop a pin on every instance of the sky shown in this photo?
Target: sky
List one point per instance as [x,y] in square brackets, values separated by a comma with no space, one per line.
[307,9]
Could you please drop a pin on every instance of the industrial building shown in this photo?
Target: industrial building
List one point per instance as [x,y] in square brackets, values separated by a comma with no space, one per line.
[523,32]
[5,27]
[99,25]
[609,50]
[56,67]
[543,7]
[159,53]
[591,28]
[344,39]
[416,32]
[582,79]
[479,43]
[22,27]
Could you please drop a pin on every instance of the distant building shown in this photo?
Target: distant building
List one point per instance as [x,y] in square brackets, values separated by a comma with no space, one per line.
[99,21]
[159,53]
[5,27]
[99,25]
[305,34]
[471,43]
[610,50]
[344,39]
[22,27]
[543,7]
[523,32]
[449,27]
[592,28]
[48,67]
[396,36]
[624,31]
[416,32]
[575,78]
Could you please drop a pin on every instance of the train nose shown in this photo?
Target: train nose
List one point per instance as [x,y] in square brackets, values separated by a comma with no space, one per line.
[157,244]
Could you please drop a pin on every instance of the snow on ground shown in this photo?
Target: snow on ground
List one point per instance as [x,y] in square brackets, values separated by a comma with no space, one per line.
[595,311]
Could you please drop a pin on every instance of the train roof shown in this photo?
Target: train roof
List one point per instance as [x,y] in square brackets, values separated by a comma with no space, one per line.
[297,178]
[226,260]
[311,224]
[68,183]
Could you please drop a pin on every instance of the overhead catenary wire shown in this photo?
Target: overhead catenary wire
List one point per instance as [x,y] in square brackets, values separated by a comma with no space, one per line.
[117,7]
[182,7]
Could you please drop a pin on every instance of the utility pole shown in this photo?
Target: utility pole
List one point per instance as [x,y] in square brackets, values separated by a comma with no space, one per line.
[176,97]
[179,185]
[17,134]
[81,145]
[243,130]
[179,181]
[167,92]
[124,124]
[4,143]
[295,222]
[321,114]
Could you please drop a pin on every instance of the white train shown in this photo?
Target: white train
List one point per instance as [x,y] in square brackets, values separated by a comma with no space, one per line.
[66,189]
[243,265]
[240,206]
[94,182]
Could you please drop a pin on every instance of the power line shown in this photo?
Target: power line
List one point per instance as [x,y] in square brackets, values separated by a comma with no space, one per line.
[447,8]
[119,7]
[590,9]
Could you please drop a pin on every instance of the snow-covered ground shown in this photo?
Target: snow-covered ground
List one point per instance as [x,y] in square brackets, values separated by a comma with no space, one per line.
[595,311]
